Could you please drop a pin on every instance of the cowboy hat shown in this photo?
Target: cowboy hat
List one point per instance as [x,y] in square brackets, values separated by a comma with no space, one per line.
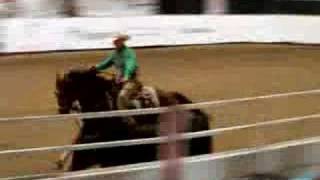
[122,37]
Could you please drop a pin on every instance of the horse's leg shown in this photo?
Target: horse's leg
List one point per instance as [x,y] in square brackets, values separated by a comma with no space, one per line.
[92,131]
[203,145]
[63,159]
[148,152]
[83,159]
[67,154]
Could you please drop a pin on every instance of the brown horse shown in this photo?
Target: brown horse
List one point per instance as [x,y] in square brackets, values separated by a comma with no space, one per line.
[84,91]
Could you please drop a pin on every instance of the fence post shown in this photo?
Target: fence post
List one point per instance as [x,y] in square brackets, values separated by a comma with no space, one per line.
[171,124]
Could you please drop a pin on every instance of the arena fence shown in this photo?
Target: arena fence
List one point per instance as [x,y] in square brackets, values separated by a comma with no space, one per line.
[209,159]
[156,140]
[124,113]
[283,158]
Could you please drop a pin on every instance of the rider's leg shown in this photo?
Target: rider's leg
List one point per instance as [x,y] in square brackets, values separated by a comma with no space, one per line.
[127,98]
[124,100]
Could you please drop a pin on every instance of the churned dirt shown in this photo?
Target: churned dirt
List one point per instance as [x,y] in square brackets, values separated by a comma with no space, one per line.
[201,72]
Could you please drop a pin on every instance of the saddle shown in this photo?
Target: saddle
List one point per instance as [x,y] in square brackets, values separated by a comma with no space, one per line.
[147,98]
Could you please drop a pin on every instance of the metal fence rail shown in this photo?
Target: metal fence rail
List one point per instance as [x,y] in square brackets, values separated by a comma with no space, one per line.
[123,113]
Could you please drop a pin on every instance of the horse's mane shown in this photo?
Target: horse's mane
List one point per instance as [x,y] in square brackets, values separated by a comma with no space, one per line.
[83,77]
[84,87]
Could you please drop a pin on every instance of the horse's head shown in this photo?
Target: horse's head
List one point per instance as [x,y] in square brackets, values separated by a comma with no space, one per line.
[64,94]
[82,90]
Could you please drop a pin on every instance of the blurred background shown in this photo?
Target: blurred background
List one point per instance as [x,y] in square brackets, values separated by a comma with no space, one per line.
[103,8]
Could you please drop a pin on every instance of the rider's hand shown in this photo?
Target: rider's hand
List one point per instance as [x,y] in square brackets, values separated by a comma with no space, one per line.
[93,69]
[123,81]
[120,80]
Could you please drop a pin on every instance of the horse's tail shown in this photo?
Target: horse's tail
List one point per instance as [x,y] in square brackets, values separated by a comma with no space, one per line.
[200,122]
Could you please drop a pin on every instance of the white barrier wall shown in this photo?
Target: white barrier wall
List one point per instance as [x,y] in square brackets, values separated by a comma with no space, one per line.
[29,35]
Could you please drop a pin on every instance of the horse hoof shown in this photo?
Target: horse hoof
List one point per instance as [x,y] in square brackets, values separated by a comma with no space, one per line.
[60,165]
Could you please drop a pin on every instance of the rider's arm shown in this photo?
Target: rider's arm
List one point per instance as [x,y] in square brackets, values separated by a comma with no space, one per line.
[130,63]
[105,63]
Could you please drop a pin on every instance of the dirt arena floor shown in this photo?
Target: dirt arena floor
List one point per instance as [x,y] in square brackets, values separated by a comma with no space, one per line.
[203,73]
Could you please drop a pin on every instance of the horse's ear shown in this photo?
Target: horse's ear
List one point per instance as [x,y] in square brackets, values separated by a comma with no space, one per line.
[58,76]
[58,79]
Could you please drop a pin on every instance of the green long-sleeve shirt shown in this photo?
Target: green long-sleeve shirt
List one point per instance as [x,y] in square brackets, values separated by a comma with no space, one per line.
[124,60]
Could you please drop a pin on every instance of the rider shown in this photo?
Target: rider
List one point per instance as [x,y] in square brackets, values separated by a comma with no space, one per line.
[125,61]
